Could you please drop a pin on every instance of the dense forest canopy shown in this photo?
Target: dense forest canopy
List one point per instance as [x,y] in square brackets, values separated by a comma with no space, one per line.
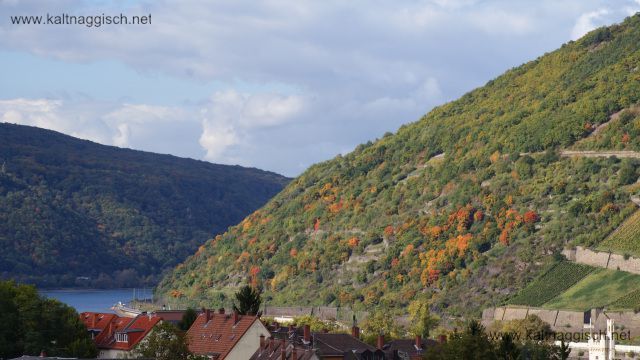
[31,324]
[73,212]
[464,206]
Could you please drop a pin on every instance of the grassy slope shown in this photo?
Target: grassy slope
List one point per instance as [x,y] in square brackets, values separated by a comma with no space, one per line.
[625,239]
[454,230]
[629,301]
[600,288]
[554,282]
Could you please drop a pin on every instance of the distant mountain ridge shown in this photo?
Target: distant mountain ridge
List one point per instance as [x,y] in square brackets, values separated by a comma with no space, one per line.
[72,209]
[462,208]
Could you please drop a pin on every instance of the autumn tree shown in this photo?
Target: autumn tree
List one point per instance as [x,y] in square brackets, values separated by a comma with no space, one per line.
[531,217]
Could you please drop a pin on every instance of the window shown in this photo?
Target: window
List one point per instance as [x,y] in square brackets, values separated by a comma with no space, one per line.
[122,337]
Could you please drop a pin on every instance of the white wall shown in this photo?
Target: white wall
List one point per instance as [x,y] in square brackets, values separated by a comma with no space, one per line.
[249,343]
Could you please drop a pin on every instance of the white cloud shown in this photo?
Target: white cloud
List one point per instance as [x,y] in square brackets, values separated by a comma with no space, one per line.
[129,123]
[139,126]
[49,114]
[428,92]
[300,80]
[494,21]
[587,22]
[230,117]
[121,138]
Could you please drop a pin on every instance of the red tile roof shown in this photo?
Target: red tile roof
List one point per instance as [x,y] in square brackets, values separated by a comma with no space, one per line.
[217,335]
[338,344]
[105,327]
[272,350]
[172,316]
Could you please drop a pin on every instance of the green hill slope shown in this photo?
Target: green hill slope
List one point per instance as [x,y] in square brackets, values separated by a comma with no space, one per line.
[72,208]
[465,206]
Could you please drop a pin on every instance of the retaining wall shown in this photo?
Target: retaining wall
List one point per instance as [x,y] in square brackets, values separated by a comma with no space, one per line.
[565,320]
[603,259]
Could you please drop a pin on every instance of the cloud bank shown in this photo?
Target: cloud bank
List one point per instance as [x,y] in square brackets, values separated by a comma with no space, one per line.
[291,82]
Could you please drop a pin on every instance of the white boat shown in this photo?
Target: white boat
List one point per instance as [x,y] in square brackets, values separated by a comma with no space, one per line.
[123,310]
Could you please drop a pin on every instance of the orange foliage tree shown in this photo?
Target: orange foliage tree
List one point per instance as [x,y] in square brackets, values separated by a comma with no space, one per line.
[531,217]
[353,242]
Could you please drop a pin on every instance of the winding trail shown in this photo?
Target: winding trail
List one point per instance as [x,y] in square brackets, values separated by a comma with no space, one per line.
[592,153]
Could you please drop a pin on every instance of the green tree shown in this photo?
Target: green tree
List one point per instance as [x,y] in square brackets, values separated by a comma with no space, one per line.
[380,321]
[9,322]
[188,318]
[422,321]
[473,343]
[506,348]
[30,324]
[315,323]
[627,174]
[249,301]
[564,351]
[165,342]
[530,327]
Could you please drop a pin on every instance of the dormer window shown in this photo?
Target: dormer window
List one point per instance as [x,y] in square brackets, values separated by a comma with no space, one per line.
[122,337]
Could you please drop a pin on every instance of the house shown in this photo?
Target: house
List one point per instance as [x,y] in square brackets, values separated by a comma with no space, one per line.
[115,336]
[408,349]
[171,316]
[282,349]
[225,336]
[293,343]
[602,345]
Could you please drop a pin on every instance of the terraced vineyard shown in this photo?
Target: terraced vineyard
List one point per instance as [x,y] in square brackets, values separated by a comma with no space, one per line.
[625,239]
[552,283]
[630,301]
[598,289]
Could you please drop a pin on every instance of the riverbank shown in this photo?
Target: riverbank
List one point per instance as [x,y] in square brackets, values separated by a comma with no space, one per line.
[97,300]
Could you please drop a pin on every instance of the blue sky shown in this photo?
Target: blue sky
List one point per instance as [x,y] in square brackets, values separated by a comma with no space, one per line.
[272,84]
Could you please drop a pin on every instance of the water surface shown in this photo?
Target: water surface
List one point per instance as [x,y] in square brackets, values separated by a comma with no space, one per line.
[97,300]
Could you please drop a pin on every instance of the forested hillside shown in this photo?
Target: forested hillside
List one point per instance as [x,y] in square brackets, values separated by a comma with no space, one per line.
[463,207]
[72,209]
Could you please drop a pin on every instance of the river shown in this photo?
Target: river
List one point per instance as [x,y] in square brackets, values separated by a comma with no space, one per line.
[97,300]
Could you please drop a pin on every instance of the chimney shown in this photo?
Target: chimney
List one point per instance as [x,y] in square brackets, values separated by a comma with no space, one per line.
[207,315]
[283,350]
[221,311]
[442,339]
[294,353]
[355,332]
[380,343]
[307,334]
[418,342]
[110,329]
[94,320]
[235,317]
[261,341]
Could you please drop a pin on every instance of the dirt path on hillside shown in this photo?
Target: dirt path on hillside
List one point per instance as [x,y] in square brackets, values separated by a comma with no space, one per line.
[592,153]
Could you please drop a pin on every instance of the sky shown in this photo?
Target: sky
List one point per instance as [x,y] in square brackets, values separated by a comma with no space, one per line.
[273,84]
